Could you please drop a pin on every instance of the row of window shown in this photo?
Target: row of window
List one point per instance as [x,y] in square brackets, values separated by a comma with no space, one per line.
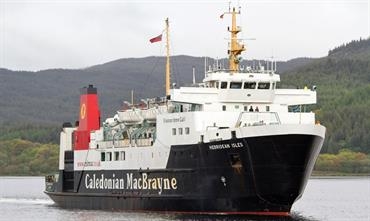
[121,155]
[180,131]
[244,85]
[250,109]
[118,156]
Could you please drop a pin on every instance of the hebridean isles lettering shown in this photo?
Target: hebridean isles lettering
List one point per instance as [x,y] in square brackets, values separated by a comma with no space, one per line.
[219,146]
[225,146]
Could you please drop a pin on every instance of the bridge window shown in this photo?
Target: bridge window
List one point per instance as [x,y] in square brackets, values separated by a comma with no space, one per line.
[195,107]
[223,107]
[223,85]
[264,85]
[116,155]
[213,84]
[235,85]
[173,131]
[217,84]
[249,85]
[102,156]
[180,131]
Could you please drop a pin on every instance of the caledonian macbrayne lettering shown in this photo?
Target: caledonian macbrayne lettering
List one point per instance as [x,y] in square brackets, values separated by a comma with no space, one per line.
[130,182]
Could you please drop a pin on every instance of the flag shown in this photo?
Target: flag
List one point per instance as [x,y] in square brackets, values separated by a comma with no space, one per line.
[156,39]
[222,16]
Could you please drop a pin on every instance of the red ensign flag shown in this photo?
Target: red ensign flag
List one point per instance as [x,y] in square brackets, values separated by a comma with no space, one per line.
[156,39]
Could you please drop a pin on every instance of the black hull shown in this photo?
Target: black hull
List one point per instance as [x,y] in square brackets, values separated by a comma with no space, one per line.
[256,175]
[247,206]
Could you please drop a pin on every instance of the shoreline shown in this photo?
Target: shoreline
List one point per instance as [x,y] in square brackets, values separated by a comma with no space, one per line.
[328,177]
[337,174]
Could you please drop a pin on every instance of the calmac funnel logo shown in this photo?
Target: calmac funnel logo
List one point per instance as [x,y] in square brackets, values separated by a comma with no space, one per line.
[83,111]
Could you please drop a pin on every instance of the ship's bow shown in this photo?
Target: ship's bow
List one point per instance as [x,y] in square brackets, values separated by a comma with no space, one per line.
[282,164]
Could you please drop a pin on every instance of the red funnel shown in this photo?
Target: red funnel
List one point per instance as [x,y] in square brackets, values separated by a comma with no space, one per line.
[89,117]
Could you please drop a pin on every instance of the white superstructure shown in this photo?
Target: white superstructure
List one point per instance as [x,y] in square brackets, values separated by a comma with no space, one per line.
[247,103]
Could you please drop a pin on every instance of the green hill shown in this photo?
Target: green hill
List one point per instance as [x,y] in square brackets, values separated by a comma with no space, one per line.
[343,85]
[20,157]
[51,97]
[357,49]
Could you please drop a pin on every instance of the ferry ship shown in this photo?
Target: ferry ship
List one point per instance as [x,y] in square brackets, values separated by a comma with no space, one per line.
[232,144]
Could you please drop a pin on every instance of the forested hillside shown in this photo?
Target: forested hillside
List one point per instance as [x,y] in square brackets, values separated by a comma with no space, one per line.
[51,97]
[21,157]
[343,85]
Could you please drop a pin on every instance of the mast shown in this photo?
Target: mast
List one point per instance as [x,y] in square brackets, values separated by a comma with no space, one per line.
[235,48]
[167,59]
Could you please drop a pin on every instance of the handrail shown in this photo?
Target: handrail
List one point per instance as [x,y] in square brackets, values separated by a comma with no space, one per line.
[239,121]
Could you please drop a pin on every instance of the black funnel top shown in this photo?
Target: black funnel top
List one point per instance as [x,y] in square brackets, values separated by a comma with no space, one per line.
[89,90]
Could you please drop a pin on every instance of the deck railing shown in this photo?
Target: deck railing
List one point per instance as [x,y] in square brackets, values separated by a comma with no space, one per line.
[247,119]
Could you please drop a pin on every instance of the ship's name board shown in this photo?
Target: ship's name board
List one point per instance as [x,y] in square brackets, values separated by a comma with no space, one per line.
[88,164]
[173,120]
[130,182]
[226,146]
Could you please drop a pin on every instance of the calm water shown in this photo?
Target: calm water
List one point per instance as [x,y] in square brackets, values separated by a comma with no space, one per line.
[21,198]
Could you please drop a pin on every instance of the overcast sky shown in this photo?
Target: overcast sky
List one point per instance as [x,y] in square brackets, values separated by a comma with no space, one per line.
[45,34]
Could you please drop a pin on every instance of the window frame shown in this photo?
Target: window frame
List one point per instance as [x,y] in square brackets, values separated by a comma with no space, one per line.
[223,86]
[180,130]
[264,83]
[108,156]
[122,156]
[187,130]
[250,83]
[116,156]
[236,83]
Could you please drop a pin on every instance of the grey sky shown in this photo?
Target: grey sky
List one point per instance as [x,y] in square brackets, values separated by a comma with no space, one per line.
[37,35]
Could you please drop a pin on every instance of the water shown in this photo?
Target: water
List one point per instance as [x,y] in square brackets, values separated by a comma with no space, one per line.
[21,198]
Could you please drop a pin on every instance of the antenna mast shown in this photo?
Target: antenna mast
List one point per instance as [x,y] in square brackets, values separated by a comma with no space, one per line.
[167,59]
[193,74]
[235,48]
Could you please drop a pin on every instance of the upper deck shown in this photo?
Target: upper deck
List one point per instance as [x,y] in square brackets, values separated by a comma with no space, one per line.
[243,87]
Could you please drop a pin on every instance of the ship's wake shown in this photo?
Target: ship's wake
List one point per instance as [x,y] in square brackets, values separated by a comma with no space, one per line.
[294,216]
[35,201]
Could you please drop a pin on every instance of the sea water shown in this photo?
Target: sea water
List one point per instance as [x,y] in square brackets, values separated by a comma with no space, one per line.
[22,198]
